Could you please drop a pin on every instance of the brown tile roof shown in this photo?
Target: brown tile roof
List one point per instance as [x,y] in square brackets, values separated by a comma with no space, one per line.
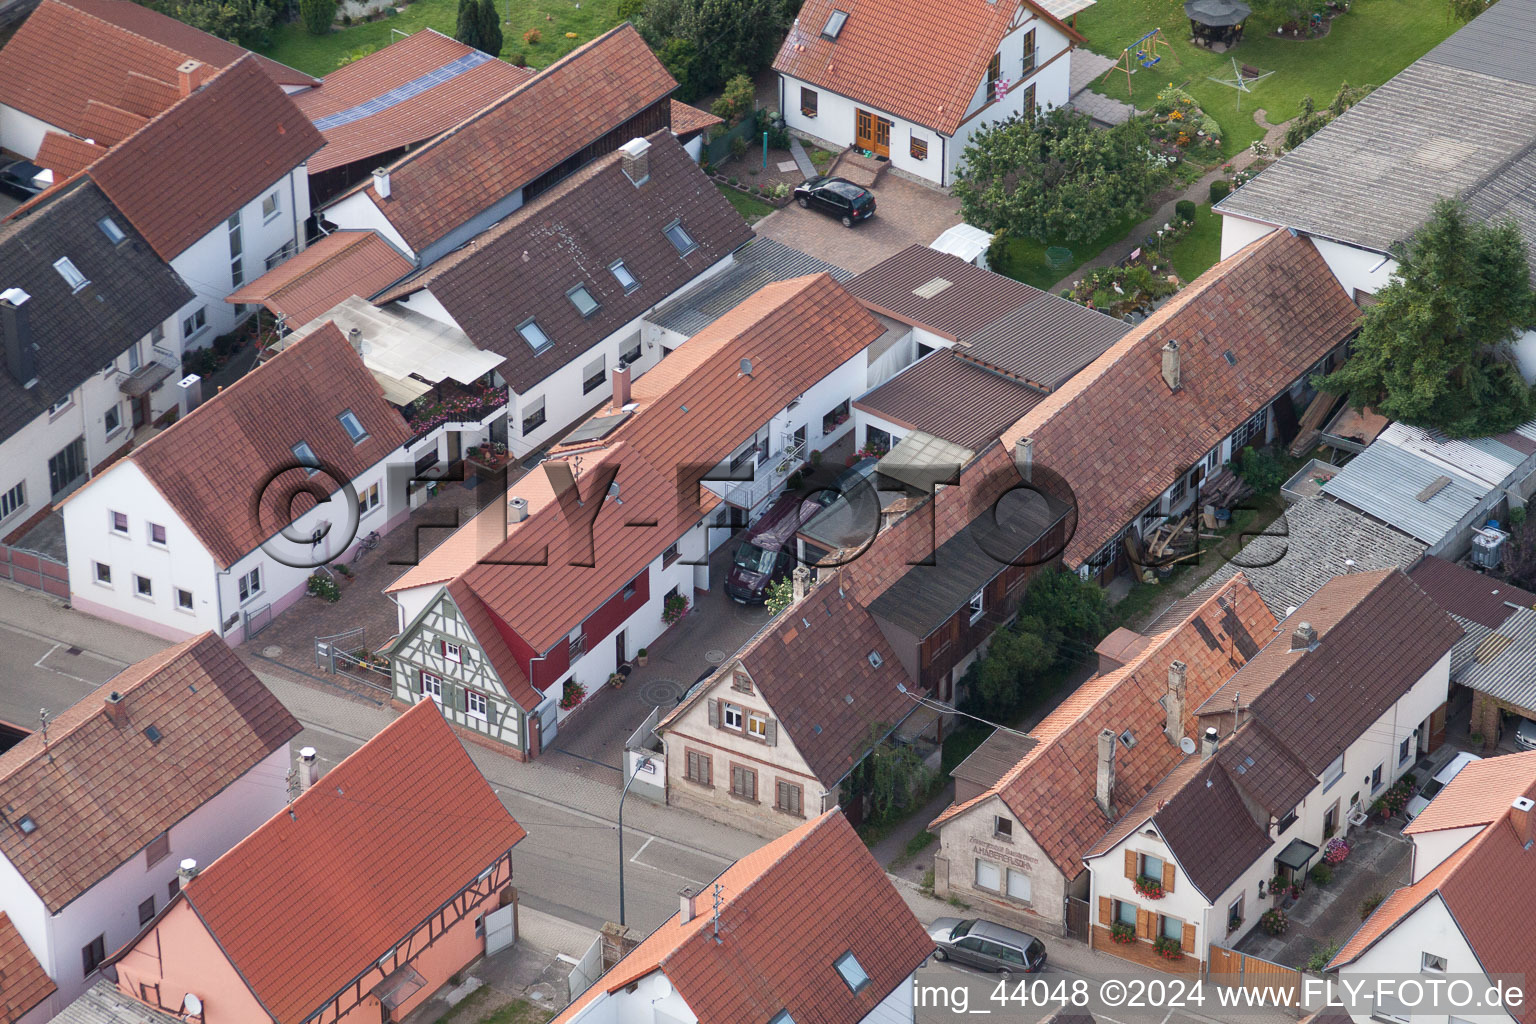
[25,982]
[342,264]
[66,155]
[579,98]
[1378,634]
[120,53]
[246,134]
[929,84]
[100,792]
[1490,787]
[1005,325]
[951,397]
[1115,432]
[421,116]
[1051,790]
[789,910]
[1462,591]
[811,664]
[409,796]
[687,120]
[525,266]
[227,447]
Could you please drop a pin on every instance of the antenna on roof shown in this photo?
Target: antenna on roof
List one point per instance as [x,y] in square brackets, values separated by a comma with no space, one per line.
[719,891]
[42,718]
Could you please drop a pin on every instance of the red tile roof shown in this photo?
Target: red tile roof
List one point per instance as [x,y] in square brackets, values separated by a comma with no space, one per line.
[245,133]
[120,53]
[930,82]
[1491,785]
[789,910]
[108,125]
[208,463]
[66,155]
[342,264]
[100,792]
[23,982]
[422,116]
[1051,791]
[482,624]
[687,120]
[409,807]
[578,99]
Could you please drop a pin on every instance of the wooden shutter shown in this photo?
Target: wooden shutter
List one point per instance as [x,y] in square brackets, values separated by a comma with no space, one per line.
[1106,910]
[1167,876]
[1187,942]
[771,733]
[1130,864]
[1146,924]
[714,713]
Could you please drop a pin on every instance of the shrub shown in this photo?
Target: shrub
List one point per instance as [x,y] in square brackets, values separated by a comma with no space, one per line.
[1322,874]
[738,147]
[1184,209]
[736,102]
[1322,953]
[1220,189]
[629,10]
[317,15]
[324,587]
[1274,922]
[1260,470]
[1369,904]
[918,843]
[532,37]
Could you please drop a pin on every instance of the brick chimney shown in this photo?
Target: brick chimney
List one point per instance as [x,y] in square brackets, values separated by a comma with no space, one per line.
[309,768]
[1209,742]
[1104,782]
[116,706]
[621,374]
[15,325]
[1303,637]
[190,76]
[1171,365]
[800,582]
[685,897]
[1174,729]
[636,160]
[1522,816]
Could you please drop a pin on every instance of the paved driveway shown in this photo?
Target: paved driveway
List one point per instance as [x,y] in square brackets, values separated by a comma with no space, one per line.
[907,213]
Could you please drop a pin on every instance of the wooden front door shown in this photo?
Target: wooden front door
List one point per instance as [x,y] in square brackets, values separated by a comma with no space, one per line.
[872,132]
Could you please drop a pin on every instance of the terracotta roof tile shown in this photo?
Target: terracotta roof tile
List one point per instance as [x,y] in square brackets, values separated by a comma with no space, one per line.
[789,910]
[409,796]
[108,125]
[246,134]
[1491,785]
[26,984]
[525,266]
[419,117]
[1472,595]
[930,84]
[245,434]
[1051,791]
[66,155]
[687,120]
[581,97]
[487,632]
[100,792]
[342,264]
[120,53]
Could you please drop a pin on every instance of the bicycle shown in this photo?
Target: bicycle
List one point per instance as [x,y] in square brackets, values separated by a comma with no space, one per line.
[368,543]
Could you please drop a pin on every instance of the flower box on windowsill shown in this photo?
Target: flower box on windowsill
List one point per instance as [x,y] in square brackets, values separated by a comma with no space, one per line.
[1123,934]
[1148,888]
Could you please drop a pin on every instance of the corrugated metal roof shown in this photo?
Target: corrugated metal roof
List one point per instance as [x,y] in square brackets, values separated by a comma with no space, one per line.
[1510,674]
[760,262]
[102,1003]
[1480,459]
[1385,480]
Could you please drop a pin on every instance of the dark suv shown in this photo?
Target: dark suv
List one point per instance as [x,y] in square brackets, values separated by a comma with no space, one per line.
[839,197]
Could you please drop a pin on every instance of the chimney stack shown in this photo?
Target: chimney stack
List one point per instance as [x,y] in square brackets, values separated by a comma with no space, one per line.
[355,336]
[117,708]
[685,905]
[309,768]
[800,583]
[1521,817]
[621,384]
[15,325]
[190,76]
[1211,741]
[191,392]
[381,182]
[1177,672]
[1171,365]
[1024,458]
[517,509]
[186,872]
[1104,784]
[1303,637]
[636,161]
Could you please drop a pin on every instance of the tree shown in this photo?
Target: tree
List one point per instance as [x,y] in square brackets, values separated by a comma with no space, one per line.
[1055,176]
[246,22]
[1434,351]
[490,28]
[1466,10]
[736,102]
[1066,602]
[467,29]
[317,15]
[1017,654]
[719,38]
[781,594]
[890,776]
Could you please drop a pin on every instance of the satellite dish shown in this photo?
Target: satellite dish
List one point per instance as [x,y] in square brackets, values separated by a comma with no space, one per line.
[746,368]
[192,1005]
[1187,745]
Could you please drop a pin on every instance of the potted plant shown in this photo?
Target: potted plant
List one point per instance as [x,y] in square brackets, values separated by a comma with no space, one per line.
[1122,933]
[640,656]
[1335,851]
[816,456]
[616,680]
[674,608]
[1168,949]
[1150,888]
[573,694]
[1274,922]
[1278,886]
[1295,890]
[1234,922]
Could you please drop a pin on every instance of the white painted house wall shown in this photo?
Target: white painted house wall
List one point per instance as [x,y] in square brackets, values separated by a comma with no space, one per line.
[22,133]
[654,1001]
[110,907]
[358,210]
[1431,848]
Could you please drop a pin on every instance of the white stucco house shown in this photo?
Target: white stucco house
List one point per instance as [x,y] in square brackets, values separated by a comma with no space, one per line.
[195,530]
[173,762]
[911,83]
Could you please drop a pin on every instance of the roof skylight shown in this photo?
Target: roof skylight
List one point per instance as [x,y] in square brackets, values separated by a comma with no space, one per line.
[111,230]
[534,335]
[70,273]
[625,278]
[353,425]
[835,24]
[582,299]
[681,240]
[306,456]
[848,968]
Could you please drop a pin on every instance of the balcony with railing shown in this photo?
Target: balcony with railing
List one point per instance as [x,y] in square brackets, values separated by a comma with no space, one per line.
[769,474]
[162,363]
[454,405]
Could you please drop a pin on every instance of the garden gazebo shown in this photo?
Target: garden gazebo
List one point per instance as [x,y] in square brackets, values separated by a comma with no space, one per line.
[1217,21]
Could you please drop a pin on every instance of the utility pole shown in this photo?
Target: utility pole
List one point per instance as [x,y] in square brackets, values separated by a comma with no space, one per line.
[644,764]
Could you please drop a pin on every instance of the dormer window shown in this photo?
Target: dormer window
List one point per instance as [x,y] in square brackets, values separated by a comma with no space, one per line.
[624,277]
[111,230]
[835,24]
[353,425]
[306,456]
[70,273]
[851,972]
[534,335]
[681,240]
[582,299]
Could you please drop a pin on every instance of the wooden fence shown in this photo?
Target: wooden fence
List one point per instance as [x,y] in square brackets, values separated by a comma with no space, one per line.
[1232,969]
[30,569]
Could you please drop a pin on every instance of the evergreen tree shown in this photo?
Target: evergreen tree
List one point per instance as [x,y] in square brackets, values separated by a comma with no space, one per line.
[490,28]
[467,30]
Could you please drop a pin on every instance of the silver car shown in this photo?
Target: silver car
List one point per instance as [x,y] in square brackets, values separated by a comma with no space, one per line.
[992,947]
[1525,734]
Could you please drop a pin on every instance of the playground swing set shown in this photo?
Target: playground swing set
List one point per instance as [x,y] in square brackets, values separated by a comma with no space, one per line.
[1143,53]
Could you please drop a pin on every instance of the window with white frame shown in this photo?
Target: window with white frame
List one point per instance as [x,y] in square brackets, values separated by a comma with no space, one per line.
[103,574]
[592,374]
[236,251]
[198,320]
[119,521]
[367,500]
[114,419]
[730,716]
[1334,773]
[1433,962]
[142,587]
[270,207]
[1404,750]
[1018,885]
[432,686]
[61,404]
[453,652]
[533,414]
[978,604]
[183,599]
[13,499]
[757,726]
[989,876]
[249,584]
[474,704]
[156,534]
[631,352]
[133,355]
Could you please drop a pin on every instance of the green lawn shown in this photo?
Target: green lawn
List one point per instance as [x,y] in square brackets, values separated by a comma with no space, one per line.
[1199,250]
[751,208]
[320,55]
[1367,46]
[1024,258]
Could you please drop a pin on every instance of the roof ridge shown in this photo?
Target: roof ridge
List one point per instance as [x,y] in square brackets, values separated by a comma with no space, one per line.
[138,35]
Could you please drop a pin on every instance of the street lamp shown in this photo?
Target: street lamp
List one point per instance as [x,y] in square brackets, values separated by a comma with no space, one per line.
[644,765]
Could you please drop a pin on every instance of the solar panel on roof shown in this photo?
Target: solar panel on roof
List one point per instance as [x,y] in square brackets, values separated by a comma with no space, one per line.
[598,426]
[401,93]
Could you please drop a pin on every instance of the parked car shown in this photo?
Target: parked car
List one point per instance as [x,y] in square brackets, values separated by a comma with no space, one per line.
[1525,734]
[767,552]
[1435,785]
[992,947]
[23,179]
[839,197]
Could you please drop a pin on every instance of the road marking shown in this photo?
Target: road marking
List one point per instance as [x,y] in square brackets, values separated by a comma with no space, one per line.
[636,858]
[51,640]
[58,671]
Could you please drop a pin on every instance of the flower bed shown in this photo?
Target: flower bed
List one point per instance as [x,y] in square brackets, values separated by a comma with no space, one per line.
[1336,851]
[1168,949]
[491,454]
[1119,290]
[1181,128]
[1148,888]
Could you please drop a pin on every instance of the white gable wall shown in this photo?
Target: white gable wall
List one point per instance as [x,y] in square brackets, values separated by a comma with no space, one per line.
[358,210]
[1431,848]
[22,133]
